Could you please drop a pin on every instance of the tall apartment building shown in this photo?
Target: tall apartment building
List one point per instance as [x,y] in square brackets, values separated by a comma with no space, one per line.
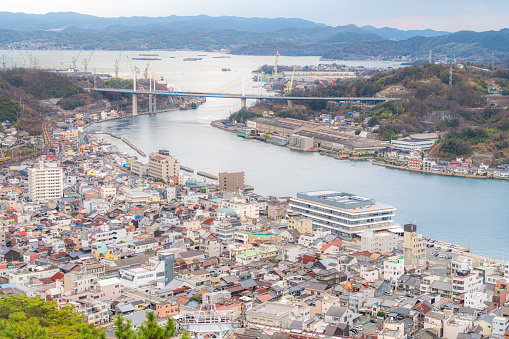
[232,182]
[162,165]
[45,182]
[344,214]
[382,242]
[414,248]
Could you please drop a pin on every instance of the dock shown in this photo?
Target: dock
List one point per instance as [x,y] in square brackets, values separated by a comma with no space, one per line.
[187,169]
[207,175]
[130,144]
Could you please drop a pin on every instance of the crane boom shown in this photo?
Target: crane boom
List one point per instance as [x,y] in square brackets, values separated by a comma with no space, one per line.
[86,61]
[291,81]
[117,62]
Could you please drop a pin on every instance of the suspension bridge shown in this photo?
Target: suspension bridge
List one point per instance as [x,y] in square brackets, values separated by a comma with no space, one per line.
[236,89]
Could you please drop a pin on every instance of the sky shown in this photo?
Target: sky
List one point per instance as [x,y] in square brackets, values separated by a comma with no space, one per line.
[448,15]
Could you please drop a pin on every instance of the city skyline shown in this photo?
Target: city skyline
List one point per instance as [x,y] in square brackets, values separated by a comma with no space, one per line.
[438,15]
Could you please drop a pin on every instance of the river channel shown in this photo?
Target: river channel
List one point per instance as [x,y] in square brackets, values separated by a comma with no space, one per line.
[469,212]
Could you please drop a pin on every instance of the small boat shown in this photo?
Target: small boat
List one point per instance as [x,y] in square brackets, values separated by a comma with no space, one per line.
[192,59]
[226,69]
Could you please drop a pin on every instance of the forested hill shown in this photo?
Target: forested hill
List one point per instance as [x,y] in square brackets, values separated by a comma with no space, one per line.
[22,90]
[476,121]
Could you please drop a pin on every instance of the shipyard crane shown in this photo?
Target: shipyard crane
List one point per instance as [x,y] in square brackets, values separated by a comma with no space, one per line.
[320,81]
[86,61]
[21,56]
[73,61]
[291,81]
[117,62]
[146,72]
[60,61]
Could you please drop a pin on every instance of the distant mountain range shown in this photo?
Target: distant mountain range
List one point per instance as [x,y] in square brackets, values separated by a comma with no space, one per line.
[75,22]
[261,36]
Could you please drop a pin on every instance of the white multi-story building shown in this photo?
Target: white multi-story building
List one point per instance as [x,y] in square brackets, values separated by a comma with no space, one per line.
[500,327]
[344,214]
[475,299]
[45,182]
[466,283]
[412,144]
[414,246]
[242,207]
[394,267]
[382,242]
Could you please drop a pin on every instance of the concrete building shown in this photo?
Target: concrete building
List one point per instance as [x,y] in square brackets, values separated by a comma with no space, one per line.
[303,225]
[139,169]
[45,182]
[162,165]
[414,246]
[394,268]
[300,142]
[274,314]
[382,242]
[412,144]
[344,214]
[233,182]
[465,282]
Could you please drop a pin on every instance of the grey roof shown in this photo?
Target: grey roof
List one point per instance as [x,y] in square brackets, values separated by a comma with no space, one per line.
[440,285]
[336,311]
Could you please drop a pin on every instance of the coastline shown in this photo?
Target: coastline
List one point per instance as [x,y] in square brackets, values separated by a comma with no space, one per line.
[372,159]
[379,163]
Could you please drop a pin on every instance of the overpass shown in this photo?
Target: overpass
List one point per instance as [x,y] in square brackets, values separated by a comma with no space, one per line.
[243,97]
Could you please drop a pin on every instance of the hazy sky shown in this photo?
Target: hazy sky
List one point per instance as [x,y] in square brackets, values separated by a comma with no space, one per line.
[451,15]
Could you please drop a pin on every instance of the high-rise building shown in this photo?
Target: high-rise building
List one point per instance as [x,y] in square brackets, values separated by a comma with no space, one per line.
[414,247]
[232,182]
[162,165]
[345,215]
[45,182]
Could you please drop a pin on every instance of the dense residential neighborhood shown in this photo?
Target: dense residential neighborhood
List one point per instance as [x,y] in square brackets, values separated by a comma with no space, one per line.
[87,226]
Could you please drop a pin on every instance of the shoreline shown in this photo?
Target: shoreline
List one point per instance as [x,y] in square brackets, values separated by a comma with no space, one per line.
[379,163]
[373,160]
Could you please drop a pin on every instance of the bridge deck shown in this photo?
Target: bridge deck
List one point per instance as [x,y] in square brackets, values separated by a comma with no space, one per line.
[239,96]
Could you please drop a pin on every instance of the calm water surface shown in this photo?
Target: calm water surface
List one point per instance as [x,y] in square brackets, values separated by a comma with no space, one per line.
[470,212]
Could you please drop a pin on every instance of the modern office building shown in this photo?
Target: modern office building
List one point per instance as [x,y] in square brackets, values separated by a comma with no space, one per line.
[344,214]
[233,182]
[45,182]
[162,165]
[382,242]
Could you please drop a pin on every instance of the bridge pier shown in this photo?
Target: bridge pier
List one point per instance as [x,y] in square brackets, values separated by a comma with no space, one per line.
[154,104]
[243,103]
[135,104]
[290,103]
[150,99]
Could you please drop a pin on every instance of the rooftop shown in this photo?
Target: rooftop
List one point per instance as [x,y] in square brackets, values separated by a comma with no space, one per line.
[342,200]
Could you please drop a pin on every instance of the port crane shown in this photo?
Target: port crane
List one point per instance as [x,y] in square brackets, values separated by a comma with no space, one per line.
[60,61]
[73,61]
[117,62]
[21,57]
[291,81]
[320,81]
[86,61]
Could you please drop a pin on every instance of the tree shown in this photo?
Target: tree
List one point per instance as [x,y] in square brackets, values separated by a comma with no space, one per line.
[197,298]
[19,327]
[124,328]
[152,330]
[41,316]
